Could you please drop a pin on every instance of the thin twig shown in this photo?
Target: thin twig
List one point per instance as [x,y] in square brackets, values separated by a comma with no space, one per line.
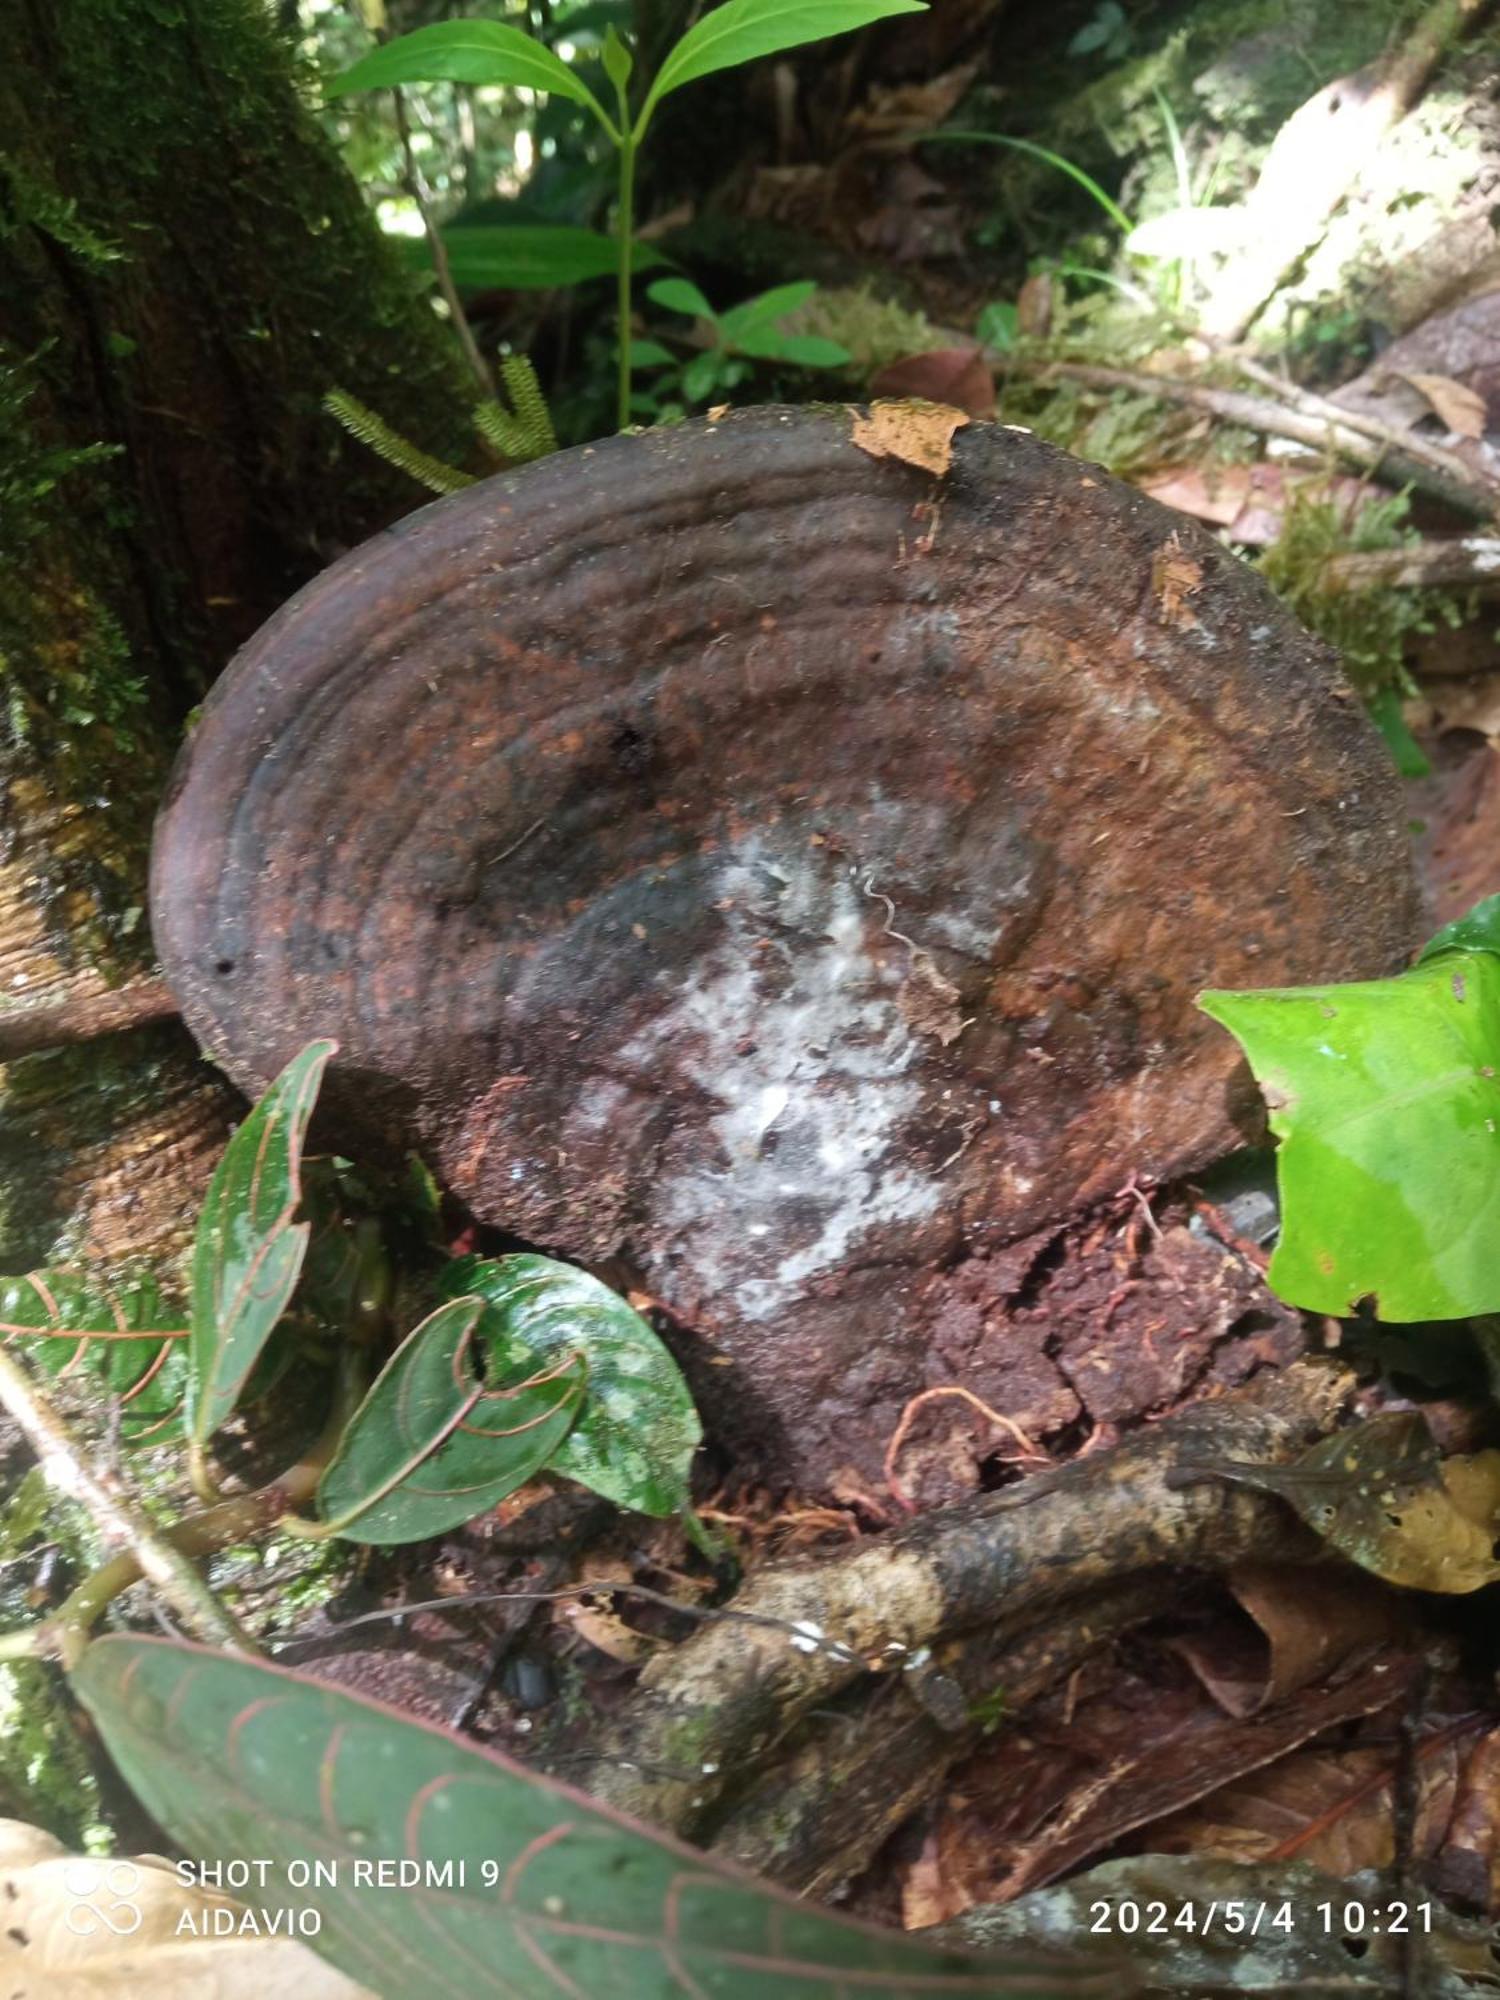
[439,249]
[1320,409]
[117,1519]
[1258,413]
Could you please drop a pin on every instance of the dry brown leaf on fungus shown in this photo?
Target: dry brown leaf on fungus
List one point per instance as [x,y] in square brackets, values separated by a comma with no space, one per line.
[80,1927]
[916,432]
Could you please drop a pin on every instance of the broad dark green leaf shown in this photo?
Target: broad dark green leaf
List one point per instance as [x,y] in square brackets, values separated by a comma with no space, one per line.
[248,1251]
[531,257]
[481,52]
[1382,1495]
[124,1336]
[637,1431]
[525,1890]
[433,1446]
[1386,1098]
[742,31]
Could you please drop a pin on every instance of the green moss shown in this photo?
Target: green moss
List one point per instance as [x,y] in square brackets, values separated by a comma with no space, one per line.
[1371,628]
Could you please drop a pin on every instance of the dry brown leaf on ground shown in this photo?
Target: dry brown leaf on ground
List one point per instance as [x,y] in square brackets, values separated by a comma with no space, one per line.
[1331,1806]
[1120,1748]
[1461,408]
[79,1927]
[918,433]
[957,376]
[1314,1620]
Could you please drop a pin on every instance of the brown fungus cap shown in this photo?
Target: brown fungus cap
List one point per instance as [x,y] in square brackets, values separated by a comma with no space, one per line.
[784,868]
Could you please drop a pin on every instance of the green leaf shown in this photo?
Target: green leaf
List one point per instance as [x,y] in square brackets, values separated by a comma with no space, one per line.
[618,60]
[1476,930]
[803,350]
[124,1335]
[534,257]
[1386,1097]
[481,52]
[248,1251]
[1407,754]
[744,30]
[649,354]
[999,326]
[547,1894]
[637,1431]
[679,296]
[766,309]
[702,375]
[1381,1494]
[432,1446]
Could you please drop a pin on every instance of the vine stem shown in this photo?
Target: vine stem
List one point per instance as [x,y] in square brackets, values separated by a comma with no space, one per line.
[118,1520]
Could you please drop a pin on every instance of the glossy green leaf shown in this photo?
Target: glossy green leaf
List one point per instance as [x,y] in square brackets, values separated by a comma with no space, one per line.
[1381,1494]
[1476,930]
[637,1431]
[248,1250]
[742,31]
[678,295]
[531,257]
[479,52]
[433,1445]
[124,1336]
[524,1889]
[1386,1098]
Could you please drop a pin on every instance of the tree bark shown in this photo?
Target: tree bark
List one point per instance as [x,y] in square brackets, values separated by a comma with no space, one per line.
[185,270]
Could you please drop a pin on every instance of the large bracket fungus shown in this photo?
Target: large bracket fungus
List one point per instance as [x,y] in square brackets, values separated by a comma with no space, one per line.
[780,867]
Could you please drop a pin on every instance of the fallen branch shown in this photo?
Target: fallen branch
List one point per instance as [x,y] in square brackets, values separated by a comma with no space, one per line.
[1471,560]
[822,1815]
[1454,485]
[705,1713]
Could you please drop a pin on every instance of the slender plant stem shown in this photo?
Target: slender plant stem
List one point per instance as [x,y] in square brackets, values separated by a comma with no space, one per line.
[439,249]
[116,1517]
[625,225]
[219,1527]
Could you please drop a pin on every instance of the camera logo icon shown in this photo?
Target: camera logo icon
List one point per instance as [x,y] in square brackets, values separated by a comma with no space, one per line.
[103,1894]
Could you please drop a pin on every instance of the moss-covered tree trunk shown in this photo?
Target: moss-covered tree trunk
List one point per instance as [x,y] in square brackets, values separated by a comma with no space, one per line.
[185,270]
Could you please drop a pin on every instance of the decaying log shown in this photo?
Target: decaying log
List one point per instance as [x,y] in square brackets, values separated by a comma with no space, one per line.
[704,1716]
[777,868]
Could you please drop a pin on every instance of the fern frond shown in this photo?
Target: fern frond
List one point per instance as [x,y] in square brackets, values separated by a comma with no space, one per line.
[529,404]
[525,431]
[362,423]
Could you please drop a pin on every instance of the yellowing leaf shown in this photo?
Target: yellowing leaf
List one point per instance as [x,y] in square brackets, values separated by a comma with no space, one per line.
[1380,1494]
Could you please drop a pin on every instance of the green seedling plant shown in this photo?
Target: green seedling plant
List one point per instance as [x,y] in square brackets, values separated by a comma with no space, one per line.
[748,333]
[1384,1095]
[527,1364]
[492,52]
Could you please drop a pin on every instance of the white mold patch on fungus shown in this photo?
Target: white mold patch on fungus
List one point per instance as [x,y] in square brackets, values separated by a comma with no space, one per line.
[792,1025]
